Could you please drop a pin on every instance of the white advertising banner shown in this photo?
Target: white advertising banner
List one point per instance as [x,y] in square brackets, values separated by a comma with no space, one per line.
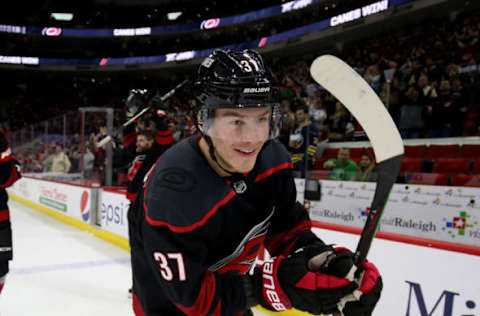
[72,200]
[442,213]
[419,281]
[113,207]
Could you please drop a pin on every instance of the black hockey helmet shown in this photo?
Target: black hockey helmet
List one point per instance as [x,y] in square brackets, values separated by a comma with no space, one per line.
[235,79]
[136,99]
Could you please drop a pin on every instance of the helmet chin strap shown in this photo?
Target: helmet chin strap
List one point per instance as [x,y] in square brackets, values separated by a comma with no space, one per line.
[211,151]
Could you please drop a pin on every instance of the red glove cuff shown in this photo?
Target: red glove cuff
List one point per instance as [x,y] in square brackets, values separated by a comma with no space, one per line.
[370,277]
[271,289]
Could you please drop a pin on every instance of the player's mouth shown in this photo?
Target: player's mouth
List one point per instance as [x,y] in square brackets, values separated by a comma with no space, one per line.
[246,152]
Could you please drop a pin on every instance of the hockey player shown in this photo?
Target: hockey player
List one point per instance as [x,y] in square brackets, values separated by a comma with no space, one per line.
[9,173]
[144,147]
[214,201]
[149,145]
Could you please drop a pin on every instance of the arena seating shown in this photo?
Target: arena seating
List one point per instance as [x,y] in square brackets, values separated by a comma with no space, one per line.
[436,164]
[442,151]
[452,165]
[470,151]
[410,165]
[415,151]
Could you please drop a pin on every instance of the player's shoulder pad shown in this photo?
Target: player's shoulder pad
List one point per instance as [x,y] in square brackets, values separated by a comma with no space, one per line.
[183,192]
[273,157]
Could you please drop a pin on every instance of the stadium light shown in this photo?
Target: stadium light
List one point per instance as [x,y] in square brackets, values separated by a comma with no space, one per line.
[173,15]
[62,16]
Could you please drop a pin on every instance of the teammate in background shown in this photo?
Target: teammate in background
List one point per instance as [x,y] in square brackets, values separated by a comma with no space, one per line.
[9,173]
[298,143]
[214,201]
[144,148]
[343,168]
[149,146]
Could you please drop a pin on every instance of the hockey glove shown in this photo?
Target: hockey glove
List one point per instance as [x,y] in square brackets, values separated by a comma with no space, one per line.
[286,282]
[362,301]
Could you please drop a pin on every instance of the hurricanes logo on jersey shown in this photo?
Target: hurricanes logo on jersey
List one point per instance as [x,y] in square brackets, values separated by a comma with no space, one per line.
[243,258]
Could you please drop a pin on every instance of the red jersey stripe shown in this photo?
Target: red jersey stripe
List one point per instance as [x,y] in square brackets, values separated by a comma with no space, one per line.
[4,215]
[205,298]
[164,133]
[164,140]
[131,196]
[129,138]
[137,307]
[13,177]
[185,229]
[271,171]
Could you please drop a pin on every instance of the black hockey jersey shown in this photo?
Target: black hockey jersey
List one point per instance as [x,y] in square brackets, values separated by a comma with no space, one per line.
[143,162]
[198,233]
[9,173]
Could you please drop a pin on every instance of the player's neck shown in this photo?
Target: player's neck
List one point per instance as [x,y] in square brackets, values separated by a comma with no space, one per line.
[205,151]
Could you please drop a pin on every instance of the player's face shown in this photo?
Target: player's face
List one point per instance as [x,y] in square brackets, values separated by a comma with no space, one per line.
[143,143]
[238,136]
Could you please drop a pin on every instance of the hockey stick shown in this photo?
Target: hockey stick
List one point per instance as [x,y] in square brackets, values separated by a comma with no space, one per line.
[364,104]
[161,99]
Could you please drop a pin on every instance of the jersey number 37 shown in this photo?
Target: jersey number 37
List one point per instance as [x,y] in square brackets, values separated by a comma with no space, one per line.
[164,263]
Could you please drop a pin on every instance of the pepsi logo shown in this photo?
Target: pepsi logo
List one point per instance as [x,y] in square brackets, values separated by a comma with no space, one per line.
[83,206]
[210,23]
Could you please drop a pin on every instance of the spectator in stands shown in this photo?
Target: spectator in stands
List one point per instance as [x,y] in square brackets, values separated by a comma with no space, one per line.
[288,122]
[303,140]
[338,123]
[318,113]
[342,167]
[372,76]
[443,113]
[365,169]
[60,161]
[427,92]
[88,162]
[411,116]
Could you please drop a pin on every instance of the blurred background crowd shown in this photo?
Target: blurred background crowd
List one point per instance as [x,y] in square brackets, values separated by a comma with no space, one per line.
[425,72]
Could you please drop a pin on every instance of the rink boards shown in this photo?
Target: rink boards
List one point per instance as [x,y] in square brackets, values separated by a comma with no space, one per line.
[442,279]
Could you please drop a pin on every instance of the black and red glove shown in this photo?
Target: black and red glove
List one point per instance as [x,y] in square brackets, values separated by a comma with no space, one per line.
[5,152]
[362,301]
[285,282]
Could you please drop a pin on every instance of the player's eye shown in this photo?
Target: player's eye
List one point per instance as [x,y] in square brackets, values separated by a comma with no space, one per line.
[263,119]
[236,122]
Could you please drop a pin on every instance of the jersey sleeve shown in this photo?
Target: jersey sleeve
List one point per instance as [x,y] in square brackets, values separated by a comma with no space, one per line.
[178,261]
[9,169]
[164,136]
[129,136]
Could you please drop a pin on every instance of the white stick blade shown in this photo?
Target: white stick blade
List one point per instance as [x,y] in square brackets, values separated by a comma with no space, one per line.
[363,103]
[104,141]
